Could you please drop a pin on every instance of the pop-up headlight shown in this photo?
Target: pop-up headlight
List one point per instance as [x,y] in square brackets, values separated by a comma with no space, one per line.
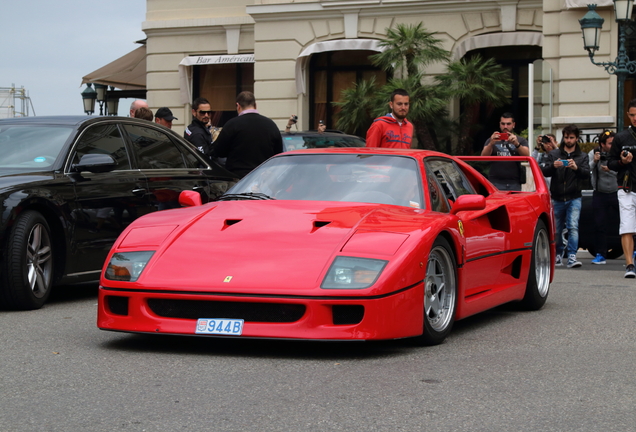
[353,273]
[127,266]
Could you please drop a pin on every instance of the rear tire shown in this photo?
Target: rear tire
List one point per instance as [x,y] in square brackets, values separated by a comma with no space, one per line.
[538,284]
[440,293]
[28,264]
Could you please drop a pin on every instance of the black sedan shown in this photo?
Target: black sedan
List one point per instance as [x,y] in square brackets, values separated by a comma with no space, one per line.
[70,185]
[315,139]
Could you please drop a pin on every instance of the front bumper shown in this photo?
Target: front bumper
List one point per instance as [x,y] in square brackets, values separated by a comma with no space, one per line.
[391,316]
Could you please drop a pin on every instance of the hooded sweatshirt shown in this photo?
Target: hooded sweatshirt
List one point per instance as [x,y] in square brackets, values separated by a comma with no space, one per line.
[387,132]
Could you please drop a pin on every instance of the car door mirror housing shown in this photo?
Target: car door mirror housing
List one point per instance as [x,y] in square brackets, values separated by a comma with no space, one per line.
[95,163]
[188,198]
[468,203]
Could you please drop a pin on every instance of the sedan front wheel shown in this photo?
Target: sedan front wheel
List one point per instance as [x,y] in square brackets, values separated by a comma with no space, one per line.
[28,263]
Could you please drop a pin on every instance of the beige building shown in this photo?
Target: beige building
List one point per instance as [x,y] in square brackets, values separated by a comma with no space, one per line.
[298,55]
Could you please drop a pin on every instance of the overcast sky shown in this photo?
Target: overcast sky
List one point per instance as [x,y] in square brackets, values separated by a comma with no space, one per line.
[47,47]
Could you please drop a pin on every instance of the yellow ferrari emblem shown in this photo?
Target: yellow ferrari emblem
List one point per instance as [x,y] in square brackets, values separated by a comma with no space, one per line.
[227,278]
[460,226]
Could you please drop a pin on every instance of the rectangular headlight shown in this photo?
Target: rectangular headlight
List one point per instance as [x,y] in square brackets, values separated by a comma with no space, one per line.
[127,266]
[353,273]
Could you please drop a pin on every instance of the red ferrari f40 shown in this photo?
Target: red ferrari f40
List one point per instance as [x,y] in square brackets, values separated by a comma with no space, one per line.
[336,244]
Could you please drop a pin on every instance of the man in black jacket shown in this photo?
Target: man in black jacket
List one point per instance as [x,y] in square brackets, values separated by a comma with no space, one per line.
[621,159]
[249,139]
[197,132]
[567,166]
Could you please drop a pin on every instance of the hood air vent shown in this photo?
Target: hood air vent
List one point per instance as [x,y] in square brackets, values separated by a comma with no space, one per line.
[230,222]
[319,224]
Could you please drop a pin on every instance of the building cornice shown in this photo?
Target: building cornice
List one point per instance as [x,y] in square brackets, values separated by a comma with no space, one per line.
[373,8]
[196,23]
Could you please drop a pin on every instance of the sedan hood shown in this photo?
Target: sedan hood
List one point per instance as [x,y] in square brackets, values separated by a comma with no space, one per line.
[9,180]
[247,245]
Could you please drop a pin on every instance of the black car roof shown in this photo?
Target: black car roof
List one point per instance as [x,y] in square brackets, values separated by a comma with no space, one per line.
[68,120]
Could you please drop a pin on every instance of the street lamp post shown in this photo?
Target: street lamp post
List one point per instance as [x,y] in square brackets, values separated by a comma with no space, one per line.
[88,97]
[622,66]
[101,97]
[108,99]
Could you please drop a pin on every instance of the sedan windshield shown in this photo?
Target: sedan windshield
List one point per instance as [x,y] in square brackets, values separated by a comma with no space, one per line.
[382,179]
[31,147]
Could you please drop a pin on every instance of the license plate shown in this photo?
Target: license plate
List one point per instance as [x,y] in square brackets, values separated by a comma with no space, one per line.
[218,326]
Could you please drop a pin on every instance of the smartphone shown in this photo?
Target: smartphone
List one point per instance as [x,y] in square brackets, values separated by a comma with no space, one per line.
[565,162]
[503,136]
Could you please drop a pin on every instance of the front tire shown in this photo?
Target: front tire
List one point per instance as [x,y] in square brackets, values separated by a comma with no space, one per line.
[440,293]
[28,263]
[538,284]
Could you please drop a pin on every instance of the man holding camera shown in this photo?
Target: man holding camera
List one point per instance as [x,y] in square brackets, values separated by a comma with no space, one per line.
[506,175]
[604,198]
[621,160]
[567,166]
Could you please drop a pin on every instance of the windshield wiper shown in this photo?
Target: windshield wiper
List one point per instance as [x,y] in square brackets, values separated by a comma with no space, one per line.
[245,196]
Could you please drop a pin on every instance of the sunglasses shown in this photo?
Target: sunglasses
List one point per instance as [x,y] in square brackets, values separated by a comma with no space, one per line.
[205,112]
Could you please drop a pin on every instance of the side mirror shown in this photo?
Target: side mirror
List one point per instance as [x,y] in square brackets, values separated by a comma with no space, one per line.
[95,163]
[188,198]
[468,202]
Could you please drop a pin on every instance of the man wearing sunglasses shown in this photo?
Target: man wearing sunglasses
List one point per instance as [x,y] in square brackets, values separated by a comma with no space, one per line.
[197,132]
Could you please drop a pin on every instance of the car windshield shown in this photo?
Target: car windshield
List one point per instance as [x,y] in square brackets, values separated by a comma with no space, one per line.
[296,142]
[31,147]
[382,179]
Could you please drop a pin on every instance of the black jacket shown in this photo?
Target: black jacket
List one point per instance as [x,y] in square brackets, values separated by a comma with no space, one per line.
[247,141]
[566,184]
[626,177]
[199,135]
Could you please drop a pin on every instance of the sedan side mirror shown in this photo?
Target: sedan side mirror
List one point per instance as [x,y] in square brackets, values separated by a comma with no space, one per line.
[188,198]
[468,202]
[95,163]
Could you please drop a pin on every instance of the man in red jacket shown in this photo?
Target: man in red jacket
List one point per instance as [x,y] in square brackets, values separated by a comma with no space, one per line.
[392,130]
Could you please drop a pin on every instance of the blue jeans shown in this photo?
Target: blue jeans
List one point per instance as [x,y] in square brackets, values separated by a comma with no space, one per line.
[566,215]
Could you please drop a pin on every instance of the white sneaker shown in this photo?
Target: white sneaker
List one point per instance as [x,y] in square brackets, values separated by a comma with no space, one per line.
[572,262]
[558,261]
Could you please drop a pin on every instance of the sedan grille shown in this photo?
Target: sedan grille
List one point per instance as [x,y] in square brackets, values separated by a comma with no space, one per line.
[250,312]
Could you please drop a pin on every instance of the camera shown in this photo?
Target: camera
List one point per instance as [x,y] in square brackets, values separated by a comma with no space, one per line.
[628,149]
[295,118]
[545,139]
[503,136]
[604,156]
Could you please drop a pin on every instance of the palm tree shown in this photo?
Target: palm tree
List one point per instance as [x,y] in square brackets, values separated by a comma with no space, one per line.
[474,81]
[409,48]
[357,107]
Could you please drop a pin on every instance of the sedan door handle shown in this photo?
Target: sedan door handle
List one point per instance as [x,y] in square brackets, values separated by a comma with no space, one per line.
[139,192]
[198,188]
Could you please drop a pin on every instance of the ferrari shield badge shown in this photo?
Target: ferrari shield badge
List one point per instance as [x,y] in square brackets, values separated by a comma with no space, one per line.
[460,226]
[227,279]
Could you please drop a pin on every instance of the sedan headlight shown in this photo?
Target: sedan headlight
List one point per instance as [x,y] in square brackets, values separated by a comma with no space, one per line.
[353,273]
[127,266]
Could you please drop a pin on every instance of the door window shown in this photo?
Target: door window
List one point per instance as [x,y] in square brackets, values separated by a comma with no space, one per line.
[155,149]
[449,177]
[104,139]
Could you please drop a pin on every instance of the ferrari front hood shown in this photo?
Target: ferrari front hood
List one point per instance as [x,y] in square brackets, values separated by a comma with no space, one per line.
[249,245]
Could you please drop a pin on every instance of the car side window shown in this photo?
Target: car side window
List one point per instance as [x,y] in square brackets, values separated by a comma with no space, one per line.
[154,149]
[104,139]
[439,201]
[449,177]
